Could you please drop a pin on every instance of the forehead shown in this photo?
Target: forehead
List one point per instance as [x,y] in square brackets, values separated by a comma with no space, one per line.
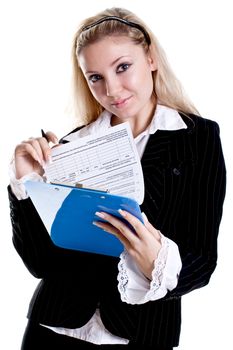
[108,49]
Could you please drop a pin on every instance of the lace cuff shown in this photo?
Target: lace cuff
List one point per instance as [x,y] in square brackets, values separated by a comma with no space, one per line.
[17,185]
[159,265]
[135,288]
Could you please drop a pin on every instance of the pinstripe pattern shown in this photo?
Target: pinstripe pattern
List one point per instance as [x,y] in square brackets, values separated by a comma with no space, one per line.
[184,174]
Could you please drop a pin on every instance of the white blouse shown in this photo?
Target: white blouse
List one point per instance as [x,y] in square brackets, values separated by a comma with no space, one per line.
[133,286]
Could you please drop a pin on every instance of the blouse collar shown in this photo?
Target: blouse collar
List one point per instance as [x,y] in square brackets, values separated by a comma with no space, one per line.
[164,118]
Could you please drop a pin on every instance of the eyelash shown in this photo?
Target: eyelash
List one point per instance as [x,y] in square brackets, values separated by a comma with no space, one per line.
[96,77]
[125,67]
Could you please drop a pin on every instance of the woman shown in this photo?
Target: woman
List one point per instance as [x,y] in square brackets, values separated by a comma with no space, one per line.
[86,300]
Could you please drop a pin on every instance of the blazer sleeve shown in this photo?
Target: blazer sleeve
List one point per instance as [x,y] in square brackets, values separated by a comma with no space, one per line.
[34,245]
[201,212]
[30,237]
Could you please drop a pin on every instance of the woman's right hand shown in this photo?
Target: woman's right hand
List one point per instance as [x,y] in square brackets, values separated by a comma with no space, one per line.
[32,154]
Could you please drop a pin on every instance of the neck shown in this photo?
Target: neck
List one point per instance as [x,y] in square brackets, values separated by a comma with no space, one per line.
[139,123]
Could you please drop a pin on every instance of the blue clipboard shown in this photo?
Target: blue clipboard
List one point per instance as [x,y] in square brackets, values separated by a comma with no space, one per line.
[68,213]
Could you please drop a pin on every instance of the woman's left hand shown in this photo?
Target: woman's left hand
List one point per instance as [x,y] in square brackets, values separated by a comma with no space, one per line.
[143,245]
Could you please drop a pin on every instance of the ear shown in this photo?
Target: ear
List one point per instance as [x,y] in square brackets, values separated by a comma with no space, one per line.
[151,60]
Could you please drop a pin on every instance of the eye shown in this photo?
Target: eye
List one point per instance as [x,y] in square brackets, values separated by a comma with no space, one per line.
[123,67]
[94,78]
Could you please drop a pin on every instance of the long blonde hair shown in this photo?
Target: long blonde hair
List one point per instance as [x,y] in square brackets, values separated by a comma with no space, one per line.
[167,88]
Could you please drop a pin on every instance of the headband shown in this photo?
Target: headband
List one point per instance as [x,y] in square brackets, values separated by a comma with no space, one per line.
[119,19]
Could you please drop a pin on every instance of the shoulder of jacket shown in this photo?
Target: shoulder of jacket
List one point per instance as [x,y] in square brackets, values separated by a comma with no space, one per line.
[199,123]
[63,139]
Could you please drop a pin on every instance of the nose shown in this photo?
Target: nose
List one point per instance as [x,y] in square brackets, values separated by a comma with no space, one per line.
[113,87]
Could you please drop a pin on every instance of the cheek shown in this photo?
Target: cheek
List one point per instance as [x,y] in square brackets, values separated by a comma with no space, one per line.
[96,91]
[143,82]
[140,79]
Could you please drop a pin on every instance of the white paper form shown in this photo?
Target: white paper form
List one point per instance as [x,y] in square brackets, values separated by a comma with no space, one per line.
[106,160]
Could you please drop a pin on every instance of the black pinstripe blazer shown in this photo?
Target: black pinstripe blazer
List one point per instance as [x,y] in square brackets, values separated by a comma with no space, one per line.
[185,178]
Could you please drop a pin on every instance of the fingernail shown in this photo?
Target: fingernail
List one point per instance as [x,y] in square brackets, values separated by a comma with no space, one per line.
[144,217]
[96,223]
[121,212]
[50,160]
[101,215]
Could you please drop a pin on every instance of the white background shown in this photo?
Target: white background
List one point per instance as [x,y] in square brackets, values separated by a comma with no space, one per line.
[35,43]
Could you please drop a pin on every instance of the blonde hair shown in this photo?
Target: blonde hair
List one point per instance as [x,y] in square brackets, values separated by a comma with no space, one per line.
[167,88]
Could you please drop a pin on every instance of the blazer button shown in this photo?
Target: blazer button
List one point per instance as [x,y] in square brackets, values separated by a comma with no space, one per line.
[176,171]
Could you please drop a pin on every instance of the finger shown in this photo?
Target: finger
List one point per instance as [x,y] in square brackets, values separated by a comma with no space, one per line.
[45,148]
[26,149]
[51,137]
[107,227]
[112,230]
[137,225]
[153,230]
[145,219]
[119,225]
[141,229]
[42,148]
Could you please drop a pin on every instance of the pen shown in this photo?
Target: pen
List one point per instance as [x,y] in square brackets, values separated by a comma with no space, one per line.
[44,135]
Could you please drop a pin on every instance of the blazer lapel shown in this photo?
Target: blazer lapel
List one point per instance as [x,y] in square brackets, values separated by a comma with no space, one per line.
[160,150]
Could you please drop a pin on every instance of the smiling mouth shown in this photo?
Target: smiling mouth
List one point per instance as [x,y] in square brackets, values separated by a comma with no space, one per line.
[121,103]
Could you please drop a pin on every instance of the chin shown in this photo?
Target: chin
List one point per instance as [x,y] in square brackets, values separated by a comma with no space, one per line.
[125,115]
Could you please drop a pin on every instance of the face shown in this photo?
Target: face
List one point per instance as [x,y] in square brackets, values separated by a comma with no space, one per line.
[119,75]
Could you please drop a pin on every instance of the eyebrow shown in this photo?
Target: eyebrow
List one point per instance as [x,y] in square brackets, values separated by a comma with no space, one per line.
[112,64]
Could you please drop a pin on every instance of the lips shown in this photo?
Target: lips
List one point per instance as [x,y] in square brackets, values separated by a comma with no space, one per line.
[121,102]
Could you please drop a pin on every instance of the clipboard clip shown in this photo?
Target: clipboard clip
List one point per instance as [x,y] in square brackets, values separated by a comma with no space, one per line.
[79,185]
